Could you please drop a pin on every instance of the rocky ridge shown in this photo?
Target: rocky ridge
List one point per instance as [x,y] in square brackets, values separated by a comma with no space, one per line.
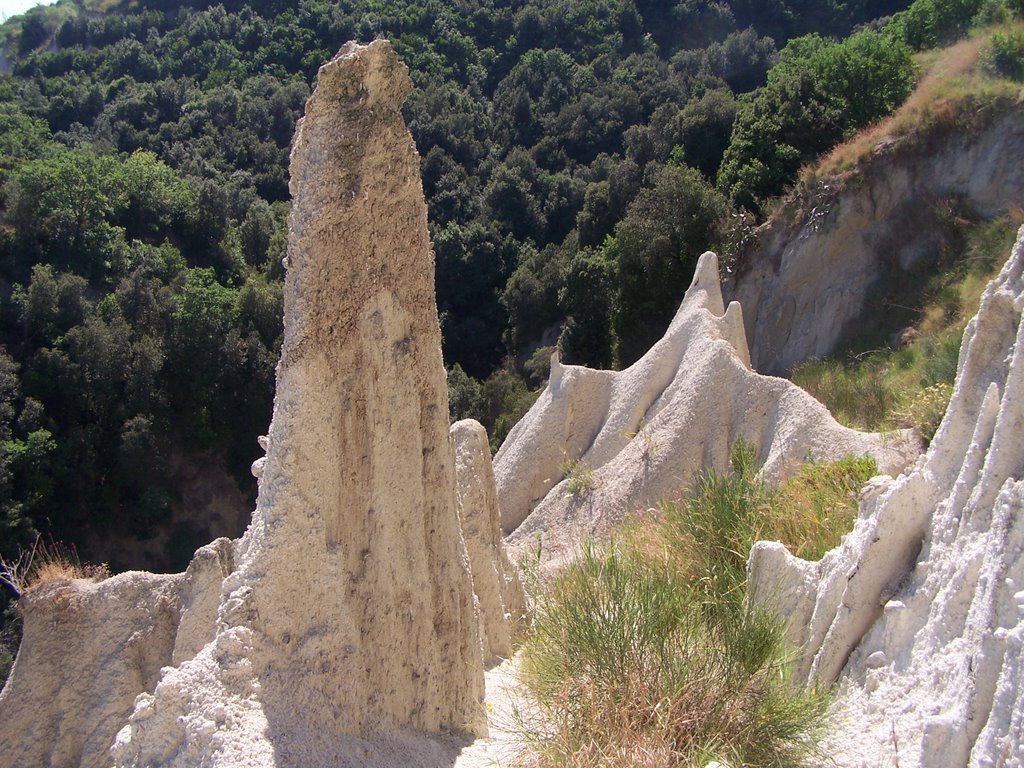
[919,614]
[598,445]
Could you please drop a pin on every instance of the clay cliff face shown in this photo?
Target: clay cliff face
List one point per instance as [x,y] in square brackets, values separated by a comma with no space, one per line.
[598,445]
[804,286]
[918,614]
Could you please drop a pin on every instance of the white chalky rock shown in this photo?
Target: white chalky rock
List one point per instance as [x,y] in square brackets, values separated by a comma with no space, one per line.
[642,434]
[91,649]
[927,576]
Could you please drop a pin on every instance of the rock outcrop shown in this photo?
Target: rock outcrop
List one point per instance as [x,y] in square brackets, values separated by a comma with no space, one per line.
[920,612]
[600,444]
[500,596]
[350,612]
[805,287]
[342,628]
[89,649]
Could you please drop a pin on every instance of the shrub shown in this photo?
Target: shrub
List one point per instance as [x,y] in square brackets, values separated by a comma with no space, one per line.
[819,93]
[926,411]
[1003,56]
[645,652]
[538,366]
[928,23]
[631,667]
[465,395]
[505,399]
[818,505]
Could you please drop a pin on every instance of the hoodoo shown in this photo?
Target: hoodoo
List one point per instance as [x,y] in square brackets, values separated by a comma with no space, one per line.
[500,595]
[351,610]
[600,444]
[918,613]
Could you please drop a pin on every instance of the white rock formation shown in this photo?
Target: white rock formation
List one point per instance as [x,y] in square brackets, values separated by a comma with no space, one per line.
[89,649]
[350,613]
[627,439]
[804,286]
[920,612]
[496,583]
[341,630]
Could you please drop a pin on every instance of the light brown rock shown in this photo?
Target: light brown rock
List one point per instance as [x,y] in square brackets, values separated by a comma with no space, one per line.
[496,583]
[350,615]
[90,648]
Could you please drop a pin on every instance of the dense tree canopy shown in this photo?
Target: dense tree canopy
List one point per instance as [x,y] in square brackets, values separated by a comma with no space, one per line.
[819,93]
[576,159]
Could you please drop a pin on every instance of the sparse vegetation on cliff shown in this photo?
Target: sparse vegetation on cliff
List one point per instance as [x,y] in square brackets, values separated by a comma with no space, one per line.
[907,381]
[44,562]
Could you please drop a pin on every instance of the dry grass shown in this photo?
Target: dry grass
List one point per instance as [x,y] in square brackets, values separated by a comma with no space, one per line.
[44,563]
[952,88]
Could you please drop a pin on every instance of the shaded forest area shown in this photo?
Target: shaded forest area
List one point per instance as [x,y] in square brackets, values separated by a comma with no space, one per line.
[577,157]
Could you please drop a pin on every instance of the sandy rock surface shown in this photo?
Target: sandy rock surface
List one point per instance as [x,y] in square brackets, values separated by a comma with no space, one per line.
[496,584]
[599,445]
[919,614]
[89,649]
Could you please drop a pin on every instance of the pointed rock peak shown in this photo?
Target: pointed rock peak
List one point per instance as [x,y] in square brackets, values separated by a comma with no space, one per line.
[372,75]
[350,614]
[557,369]
[734,332]
[707,284]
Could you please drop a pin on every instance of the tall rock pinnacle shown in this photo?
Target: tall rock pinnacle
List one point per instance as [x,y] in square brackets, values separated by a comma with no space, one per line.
[350,614]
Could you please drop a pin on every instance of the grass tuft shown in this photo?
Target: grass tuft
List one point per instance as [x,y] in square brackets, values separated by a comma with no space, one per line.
[580,477]
[46,562]
[645,653]
[855,394]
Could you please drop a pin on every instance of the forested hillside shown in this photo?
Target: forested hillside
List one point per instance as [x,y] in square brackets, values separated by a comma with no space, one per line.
[576,156]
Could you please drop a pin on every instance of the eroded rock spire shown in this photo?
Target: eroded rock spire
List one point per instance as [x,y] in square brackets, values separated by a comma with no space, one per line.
[350,613]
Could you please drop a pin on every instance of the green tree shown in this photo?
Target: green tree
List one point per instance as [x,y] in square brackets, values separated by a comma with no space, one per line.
[819,93]
[655,249]
[465,395]
[61,206]
[586,299]
[203,351]
[928,23]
